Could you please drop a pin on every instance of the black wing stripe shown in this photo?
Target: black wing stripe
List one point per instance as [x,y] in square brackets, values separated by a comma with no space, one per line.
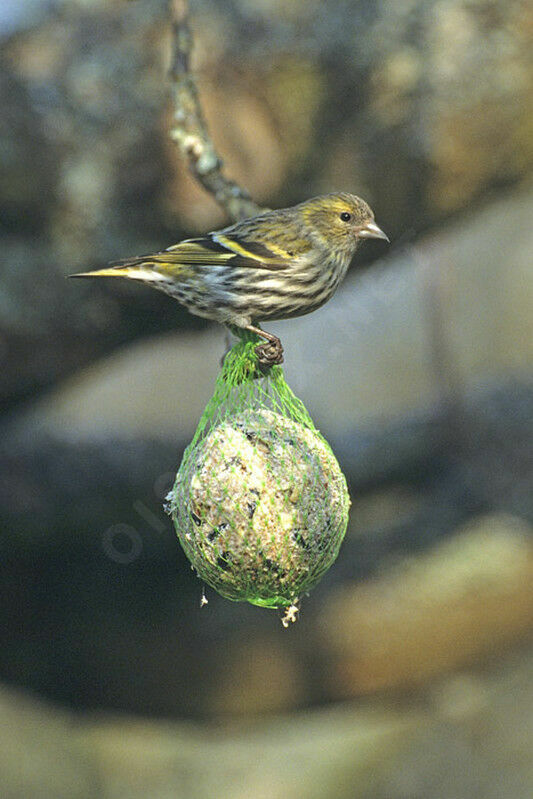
[253,247]
[208,243]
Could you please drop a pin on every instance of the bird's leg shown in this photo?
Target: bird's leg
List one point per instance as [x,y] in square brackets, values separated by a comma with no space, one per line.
[269,353]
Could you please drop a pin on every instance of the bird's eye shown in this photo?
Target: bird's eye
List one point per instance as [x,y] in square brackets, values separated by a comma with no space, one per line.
[345,216]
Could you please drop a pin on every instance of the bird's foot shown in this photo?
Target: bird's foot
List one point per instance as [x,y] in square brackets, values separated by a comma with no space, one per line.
[270,353]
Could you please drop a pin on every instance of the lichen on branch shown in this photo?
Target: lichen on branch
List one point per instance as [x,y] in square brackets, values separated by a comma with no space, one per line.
[189,129]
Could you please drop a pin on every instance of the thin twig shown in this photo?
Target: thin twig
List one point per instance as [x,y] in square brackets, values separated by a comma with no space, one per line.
[189,129]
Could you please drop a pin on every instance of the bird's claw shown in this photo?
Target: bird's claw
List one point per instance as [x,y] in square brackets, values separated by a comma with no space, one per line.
[270,353]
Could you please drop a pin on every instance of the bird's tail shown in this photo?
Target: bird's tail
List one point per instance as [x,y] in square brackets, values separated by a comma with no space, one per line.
[133,268]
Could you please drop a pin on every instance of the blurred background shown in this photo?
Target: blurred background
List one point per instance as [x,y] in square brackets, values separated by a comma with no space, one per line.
[410,672]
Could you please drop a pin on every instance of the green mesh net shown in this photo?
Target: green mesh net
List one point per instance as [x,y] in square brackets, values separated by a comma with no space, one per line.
[260,504]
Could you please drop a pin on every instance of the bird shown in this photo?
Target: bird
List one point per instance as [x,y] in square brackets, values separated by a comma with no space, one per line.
[277,265]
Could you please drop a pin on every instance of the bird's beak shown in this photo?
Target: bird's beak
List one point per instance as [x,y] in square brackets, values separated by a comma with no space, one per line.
[372,231]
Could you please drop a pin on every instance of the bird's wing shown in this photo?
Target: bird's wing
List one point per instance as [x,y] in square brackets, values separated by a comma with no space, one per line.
[218,248]
[213,249]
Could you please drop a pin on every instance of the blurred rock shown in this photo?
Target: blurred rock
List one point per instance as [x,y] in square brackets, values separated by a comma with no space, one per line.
[24,181]
[411,100]
[39,757]
[480,741]
[110,398]
[380,509]
[255,677]
[310,756]
[424,747]
[83,166]
[463,601]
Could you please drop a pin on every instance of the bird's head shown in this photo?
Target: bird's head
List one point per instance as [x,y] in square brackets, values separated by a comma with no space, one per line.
[338,222]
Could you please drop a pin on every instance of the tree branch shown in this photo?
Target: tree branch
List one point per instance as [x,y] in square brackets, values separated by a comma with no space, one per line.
[189,129]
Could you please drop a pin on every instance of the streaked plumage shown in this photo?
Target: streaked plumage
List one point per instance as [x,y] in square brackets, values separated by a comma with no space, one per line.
[276,265]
